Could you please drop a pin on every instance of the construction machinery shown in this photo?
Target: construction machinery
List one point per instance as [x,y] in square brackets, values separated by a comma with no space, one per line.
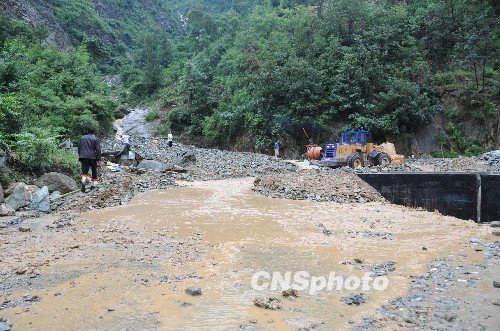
[355,150]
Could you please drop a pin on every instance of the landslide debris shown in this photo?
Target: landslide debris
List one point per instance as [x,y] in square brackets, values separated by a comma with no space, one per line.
[116,188]
[335,185]
[205,164]
[485,163]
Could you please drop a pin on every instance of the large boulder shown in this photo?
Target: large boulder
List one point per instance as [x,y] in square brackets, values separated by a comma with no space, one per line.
[30,191]
[57,182]
[186,159]
[41,200]
[6,210]
[11,188]
[1,194]
[18,198]
[152,165]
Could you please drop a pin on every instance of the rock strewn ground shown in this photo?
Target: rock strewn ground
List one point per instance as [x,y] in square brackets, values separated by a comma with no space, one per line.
[334,185]
[209,163]
[116,188]
[448,296]
[458,164]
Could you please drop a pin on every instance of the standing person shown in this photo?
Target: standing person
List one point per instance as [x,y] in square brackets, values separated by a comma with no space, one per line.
[277,147]
[68,143]
[126,142]
[89,154]
[155,145]
[170,139]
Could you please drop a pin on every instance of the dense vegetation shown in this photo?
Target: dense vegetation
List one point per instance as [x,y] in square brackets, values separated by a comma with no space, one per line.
[46,94]
[242,73]
[381,65]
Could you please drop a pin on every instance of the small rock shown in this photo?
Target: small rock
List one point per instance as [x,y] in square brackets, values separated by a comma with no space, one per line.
[354,300]
[424,248]
[271,303]
[21,271]
[496,284]
[24,229]
[290,293]
[475,241]
[31,298]
[193,291]
[111,309]
[358,260]
[57,294]
[253,321]
[496,233]
[6,210]
[4,326]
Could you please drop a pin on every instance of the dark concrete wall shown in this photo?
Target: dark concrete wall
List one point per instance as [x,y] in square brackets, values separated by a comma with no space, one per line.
[490,197]
[454,194]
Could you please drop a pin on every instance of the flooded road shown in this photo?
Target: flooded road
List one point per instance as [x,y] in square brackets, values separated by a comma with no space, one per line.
[128,267]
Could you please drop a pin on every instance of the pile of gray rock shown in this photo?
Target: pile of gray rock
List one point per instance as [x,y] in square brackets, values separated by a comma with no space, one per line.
[317,185]
[37,196]
[466,164]
[389,168]
[206,164]
[492,158]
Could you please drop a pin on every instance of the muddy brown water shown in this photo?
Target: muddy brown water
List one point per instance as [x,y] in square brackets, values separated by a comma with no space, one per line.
[134,262]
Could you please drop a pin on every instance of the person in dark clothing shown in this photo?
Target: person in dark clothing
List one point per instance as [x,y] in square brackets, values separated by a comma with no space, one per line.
[89,153]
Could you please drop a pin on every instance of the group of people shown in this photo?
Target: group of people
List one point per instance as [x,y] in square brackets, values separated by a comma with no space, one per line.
[170,141]
[89,154]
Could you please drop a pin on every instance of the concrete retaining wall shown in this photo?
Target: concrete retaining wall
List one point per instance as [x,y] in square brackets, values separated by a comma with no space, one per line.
[464,195]
[490,197]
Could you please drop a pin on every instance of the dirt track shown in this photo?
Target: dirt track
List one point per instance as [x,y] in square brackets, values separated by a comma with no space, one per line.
[128,266]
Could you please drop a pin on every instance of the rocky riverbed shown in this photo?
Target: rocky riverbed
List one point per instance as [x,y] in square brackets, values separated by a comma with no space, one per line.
[135,266]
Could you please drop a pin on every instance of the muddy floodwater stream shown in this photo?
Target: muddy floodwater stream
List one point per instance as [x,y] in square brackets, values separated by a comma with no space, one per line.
[128,267]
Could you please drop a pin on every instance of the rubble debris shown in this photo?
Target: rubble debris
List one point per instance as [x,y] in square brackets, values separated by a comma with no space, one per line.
[290,293]
[271,303]
[355,299]
[193,291]
[206,164]
[334,185]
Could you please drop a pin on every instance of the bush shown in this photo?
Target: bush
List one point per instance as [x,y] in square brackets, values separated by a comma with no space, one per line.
[37,151]
[153,114]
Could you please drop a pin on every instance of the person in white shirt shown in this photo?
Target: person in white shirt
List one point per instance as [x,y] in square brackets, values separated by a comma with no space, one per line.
[170,139]
[126,140]
[126,144]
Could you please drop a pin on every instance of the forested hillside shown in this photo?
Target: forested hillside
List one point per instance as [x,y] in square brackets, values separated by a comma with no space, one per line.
[239,74]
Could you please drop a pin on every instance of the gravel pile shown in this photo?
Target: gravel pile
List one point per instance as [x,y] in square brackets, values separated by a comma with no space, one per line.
[390,168]
[116,189]
[459,164]
[492,158]
[333,185]
[206,164]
